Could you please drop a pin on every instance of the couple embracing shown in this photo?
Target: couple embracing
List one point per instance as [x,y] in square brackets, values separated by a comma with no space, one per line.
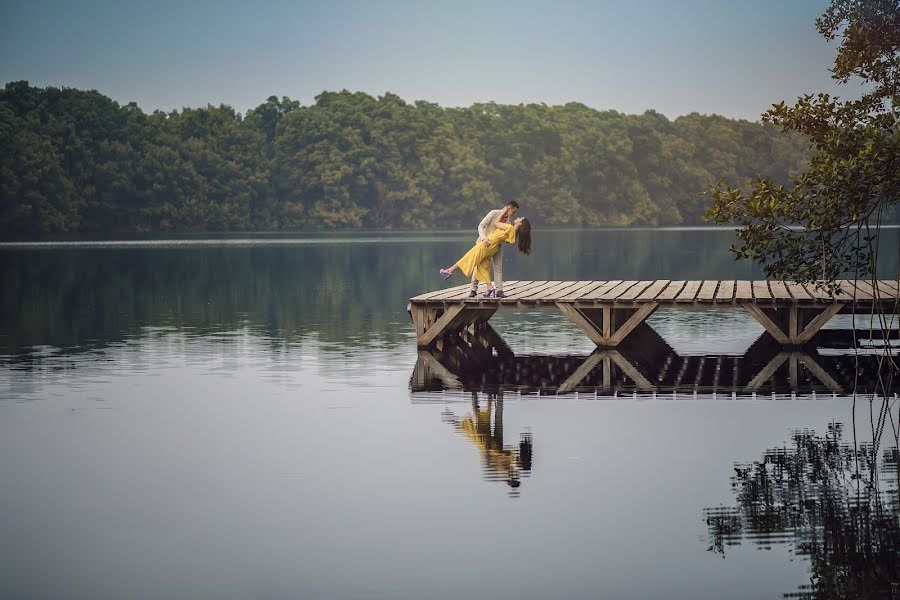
[497,227]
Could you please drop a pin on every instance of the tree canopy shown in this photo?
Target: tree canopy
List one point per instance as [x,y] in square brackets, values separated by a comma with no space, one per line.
[74,160]
[825,224]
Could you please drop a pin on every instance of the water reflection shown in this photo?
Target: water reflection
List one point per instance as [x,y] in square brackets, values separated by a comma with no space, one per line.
[834,501]
[350,291]
[483,427]
[479,359]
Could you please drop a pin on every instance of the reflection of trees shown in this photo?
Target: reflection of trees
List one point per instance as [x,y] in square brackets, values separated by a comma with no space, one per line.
[345,293]
[484,428]
[77,298]
[836,503]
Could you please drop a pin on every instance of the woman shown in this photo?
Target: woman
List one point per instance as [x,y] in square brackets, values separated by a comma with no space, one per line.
[479,257]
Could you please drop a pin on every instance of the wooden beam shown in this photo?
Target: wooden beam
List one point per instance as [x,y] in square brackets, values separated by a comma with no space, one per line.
[633,321]
[766,373]
[574,315]
[493,338]
[793,322]
[583,370]
[431,366]
[630,370]
[440,325]
[817,323]
[767,323]
[816,369]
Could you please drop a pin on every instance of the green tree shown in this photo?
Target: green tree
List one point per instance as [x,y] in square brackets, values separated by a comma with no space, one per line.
[825,225]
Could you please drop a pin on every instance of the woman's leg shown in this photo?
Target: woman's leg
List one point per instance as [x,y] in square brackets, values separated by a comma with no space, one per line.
[468,263]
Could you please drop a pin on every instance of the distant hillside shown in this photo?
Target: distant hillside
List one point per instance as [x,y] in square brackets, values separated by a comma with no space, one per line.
[73,160]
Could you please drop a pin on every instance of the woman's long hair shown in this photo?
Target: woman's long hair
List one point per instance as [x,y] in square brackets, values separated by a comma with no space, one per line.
[523,237]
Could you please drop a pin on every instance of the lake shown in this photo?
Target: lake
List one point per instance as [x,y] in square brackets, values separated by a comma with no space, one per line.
[234,417]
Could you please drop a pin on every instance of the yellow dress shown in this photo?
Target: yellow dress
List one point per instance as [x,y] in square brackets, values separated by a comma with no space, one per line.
[479,257]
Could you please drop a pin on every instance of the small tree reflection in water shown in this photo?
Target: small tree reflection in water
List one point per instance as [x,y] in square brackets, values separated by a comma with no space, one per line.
[837,503]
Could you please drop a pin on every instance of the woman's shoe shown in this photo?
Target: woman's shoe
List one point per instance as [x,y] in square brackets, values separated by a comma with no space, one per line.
[490,294]
[446,274]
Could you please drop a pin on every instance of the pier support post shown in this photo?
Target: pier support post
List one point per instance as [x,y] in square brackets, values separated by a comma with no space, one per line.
[787,325]
[432,323]
[607,326]
[794,360]
[610,359]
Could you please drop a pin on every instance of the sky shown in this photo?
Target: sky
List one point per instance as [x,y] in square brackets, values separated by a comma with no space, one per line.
[729,57]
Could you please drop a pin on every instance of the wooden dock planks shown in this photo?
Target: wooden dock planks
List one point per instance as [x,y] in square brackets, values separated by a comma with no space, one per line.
[709,291]
[608,310]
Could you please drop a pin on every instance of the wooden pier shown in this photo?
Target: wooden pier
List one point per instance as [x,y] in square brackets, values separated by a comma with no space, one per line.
[608,311]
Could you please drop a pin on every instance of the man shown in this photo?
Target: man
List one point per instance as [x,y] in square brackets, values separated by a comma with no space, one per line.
[484,229]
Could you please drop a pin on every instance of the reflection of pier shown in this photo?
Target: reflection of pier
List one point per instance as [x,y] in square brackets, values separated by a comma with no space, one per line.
[478,359]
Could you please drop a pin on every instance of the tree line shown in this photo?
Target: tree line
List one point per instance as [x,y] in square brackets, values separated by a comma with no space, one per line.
[75,160]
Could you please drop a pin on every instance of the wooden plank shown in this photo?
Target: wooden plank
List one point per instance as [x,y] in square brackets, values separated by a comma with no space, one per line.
[572,295]
[761,291]
[634,291]
[428,295]
[457,293]
[818,294]
[864,290]
[798,291]
[559,291]
[743,291]
[513,296]
[575,288]
[846,293]
[536,292]
[726,291]
[780,291]
[613,292]
[518,285]
[600,290]
[707,291]
[887,289]
[651,292]
[689,292]
[671,290]
[546,292]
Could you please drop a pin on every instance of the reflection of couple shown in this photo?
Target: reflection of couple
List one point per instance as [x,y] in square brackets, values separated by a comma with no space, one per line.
[500,463]
[493,231]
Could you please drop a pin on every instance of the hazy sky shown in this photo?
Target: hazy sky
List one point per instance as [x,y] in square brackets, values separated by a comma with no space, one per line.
[732,57]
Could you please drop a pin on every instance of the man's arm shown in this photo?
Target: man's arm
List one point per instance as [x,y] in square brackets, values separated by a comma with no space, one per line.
[485,222]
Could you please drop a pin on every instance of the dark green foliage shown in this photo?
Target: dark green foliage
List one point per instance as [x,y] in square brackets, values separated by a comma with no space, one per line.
[824,226]
[74,160]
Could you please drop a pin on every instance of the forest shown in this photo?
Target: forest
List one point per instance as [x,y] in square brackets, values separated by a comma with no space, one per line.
[77,161]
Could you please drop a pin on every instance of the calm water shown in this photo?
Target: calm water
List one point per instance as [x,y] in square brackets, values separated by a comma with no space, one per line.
[249,418]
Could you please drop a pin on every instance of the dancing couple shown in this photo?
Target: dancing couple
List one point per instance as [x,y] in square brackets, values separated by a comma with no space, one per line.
[493,231]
